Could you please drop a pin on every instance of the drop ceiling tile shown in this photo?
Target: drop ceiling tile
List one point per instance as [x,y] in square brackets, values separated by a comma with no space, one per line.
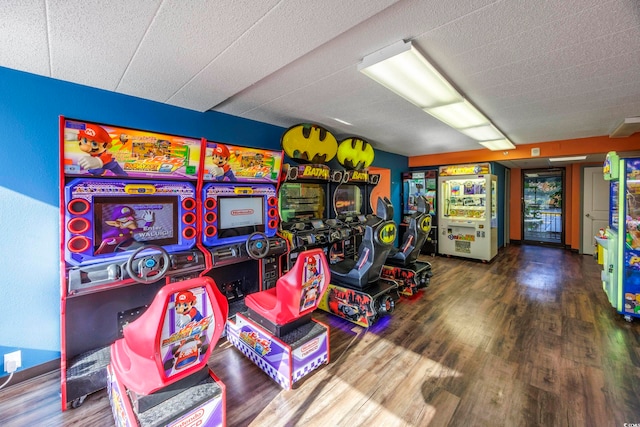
[23,31]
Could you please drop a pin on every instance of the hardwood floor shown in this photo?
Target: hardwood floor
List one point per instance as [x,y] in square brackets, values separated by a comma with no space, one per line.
[527,340]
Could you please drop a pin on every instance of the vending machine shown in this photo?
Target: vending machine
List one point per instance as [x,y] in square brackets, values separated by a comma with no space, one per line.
[621,273]
[467,207]
[414,185]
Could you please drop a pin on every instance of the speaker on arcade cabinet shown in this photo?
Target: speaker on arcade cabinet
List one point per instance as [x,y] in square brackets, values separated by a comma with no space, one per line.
[374,179]
[337,176]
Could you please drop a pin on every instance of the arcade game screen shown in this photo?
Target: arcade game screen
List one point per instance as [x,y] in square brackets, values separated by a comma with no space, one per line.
[124,223]
[237,212]
[301,201]
[347,200]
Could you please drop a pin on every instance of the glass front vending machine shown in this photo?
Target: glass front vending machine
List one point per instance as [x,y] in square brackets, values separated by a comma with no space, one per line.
[621,274]
[467,211]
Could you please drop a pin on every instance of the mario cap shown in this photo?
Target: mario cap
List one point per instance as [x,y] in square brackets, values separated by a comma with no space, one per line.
[95,133]
[185,297]
[221,150]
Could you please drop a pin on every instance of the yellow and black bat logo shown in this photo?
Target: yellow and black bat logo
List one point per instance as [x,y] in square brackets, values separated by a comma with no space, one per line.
[425,224]
[309,143]
[355,153]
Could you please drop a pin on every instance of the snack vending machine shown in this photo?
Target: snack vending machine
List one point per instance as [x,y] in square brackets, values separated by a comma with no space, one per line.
[468,220]
[414,185]
[621,274]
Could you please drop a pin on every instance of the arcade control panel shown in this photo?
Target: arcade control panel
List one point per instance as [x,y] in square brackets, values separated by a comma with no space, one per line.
[182,265]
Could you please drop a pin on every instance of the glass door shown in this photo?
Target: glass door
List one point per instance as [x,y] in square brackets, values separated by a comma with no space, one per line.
[543,206]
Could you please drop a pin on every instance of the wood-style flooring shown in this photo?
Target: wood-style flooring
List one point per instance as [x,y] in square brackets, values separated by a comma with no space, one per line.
[527,340]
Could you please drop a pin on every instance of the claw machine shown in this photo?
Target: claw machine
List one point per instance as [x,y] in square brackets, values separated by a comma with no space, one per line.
[622,259]
[467,207]
[414,185]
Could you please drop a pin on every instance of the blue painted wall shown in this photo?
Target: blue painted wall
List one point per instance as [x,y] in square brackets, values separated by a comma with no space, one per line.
[30,107]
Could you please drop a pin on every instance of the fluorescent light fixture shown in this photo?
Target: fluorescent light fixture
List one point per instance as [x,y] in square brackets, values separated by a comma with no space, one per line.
[458,115]
[498,144]
[628,127]
[567,159]
[403,70]
[483,133]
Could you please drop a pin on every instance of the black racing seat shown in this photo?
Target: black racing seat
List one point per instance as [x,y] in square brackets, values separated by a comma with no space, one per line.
[415,236]
[379,235]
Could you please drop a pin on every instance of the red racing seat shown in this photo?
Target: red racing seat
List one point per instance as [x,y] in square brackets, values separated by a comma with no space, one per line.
[296,294]
[173,338]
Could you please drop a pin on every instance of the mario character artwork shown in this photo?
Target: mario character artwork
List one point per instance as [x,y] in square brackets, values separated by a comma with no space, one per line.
[95,141]
[124,226]
[311,286]
[185,305]
[221,169]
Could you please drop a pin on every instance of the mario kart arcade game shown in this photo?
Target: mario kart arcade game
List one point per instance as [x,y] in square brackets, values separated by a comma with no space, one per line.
[129,227]
[271,320]
[240,220]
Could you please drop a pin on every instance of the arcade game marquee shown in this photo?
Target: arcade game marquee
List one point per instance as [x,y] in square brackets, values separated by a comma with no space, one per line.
[240,219]
[130,268]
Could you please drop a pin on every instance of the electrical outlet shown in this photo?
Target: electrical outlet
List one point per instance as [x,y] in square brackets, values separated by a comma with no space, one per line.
[12,361]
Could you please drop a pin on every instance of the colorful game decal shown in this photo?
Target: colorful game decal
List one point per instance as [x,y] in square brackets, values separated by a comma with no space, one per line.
[101,150]
[349,304]
[187,330]
[309,143]
[311,285]
[632,303]
[477,169]
[225,162]
[358,176]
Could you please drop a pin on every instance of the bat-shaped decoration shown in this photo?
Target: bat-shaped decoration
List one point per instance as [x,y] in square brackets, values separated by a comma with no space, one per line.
[355,153]
[309,143]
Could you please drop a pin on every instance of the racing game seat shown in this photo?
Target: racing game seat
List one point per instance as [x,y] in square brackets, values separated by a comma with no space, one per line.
[297,293]
[172,339]
[415,236]
[379,235]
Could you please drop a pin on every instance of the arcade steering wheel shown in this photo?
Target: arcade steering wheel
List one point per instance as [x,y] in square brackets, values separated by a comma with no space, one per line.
[257,245]
[147,264]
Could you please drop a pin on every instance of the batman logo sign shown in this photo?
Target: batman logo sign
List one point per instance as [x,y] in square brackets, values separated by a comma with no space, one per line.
[308,143]
[355,153]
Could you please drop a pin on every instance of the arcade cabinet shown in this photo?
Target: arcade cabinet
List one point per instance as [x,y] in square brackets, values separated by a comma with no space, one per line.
[416,185]
[128,227]
[277,331]
[468,211]
[240,220]
[621,275]
[358,293]
[402,263]
[350,196]
[158,373]
[303,194]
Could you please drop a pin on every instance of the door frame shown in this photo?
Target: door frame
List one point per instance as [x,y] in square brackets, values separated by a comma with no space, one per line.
[563,210]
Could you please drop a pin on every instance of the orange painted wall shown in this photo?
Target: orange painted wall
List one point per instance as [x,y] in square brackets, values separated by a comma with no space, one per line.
[569,147]
[383,189]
